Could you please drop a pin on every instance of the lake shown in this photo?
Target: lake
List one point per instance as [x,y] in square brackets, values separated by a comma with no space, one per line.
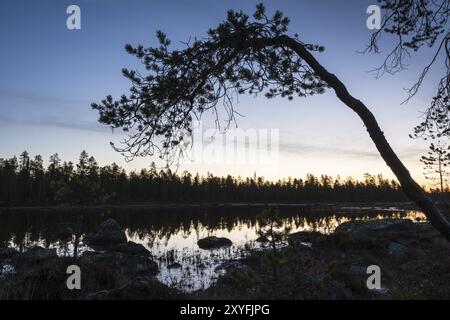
[171,234]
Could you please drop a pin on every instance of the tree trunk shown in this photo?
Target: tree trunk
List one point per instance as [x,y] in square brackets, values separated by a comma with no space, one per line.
[440,173]
[410,187]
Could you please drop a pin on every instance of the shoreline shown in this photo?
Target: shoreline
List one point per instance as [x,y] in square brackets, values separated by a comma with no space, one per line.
[177,205]
[412,257]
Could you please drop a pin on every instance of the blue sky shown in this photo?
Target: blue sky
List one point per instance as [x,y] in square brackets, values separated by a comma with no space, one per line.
[50,75]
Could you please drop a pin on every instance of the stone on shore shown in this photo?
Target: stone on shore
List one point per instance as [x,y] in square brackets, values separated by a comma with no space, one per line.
[385,225]
[108,234]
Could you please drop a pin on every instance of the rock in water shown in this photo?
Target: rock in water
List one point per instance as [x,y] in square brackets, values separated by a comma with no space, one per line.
[214,242]
[174,265]
[109,233]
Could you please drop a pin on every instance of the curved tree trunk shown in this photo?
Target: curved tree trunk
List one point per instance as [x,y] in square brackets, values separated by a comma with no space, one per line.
[410,187]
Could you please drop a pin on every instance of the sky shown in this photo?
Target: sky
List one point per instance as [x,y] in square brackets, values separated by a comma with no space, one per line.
[50,75]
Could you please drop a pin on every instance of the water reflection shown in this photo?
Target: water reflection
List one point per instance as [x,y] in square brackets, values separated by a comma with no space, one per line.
[171,235]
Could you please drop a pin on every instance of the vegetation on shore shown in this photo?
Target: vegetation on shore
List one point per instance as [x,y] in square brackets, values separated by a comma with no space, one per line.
[25,181]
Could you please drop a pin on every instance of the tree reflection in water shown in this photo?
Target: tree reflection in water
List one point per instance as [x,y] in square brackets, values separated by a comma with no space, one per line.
[171,235]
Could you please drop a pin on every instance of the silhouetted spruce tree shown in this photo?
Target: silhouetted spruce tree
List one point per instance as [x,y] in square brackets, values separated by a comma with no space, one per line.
[435,164]
[88,183]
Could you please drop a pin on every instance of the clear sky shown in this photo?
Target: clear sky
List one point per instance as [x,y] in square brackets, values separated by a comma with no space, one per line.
[50,75]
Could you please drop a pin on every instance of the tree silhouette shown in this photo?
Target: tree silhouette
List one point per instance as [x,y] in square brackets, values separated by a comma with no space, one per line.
[271,228]
[435,164]
[241,55]
[415,24]
[64,184]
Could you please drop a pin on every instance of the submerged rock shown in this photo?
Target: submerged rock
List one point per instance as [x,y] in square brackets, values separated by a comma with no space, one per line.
[174,265]
[214,242]
[109,233]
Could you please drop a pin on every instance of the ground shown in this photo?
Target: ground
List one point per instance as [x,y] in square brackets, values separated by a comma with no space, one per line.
[414,261]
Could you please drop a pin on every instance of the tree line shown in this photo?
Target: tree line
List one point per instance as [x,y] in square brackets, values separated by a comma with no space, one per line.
[26,181]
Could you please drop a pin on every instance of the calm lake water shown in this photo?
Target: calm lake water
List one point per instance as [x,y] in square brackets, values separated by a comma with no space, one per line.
[171,234]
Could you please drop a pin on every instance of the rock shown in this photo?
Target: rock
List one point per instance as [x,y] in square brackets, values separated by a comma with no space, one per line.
[132,248]
[109,233]
[396,249]
[129,248]
[37,253]
[388,225]
[132,265]
[7,253]
[304,237]
[214,242]
[174,265]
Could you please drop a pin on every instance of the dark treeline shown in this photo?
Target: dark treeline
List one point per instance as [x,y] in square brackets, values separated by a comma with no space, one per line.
[25,181]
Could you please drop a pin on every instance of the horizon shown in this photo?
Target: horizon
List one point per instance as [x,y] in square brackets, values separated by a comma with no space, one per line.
[429,188]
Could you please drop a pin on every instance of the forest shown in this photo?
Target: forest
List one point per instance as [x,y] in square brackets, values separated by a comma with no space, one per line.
[24,181]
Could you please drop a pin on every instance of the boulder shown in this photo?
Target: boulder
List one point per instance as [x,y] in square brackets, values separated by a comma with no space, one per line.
[388,225]
[131,265]
[108,234]
[304,237]
[214,242]
[131,248]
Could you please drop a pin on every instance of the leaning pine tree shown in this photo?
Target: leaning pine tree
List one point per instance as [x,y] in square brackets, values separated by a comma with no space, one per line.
[241,55]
